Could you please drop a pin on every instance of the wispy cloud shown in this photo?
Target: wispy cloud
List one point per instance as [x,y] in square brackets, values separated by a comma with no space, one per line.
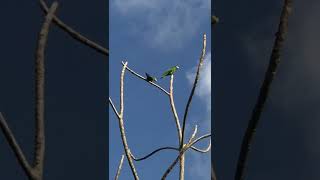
[166,23]
[201,164]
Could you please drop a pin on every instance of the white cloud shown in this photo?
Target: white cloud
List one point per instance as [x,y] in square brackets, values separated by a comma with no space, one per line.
[166,23]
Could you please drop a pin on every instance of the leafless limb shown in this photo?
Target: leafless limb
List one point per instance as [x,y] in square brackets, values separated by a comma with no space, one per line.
[194,87]
[114,108]
[35,172]
[264,90]
[145,79]
[14,145]
[74,34]
[119,168]
[182,151]
[153,152]
[202,150]
[121,123]
[174,111]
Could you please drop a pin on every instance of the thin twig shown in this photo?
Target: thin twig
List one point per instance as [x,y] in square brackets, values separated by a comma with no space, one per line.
[194,87]
[202,150]
[145,79]
[74,34]
[182,151]
[194,133]
[121,125]
[39,91]
[113,107]
[264,90]
[153,152]
[119,168]
[15,146]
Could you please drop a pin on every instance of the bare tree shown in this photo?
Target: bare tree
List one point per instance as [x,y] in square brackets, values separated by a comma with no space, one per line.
[183,147]
[34,171]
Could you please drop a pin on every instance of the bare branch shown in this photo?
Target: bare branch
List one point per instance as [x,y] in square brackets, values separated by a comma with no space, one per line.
[114,108]
[194,87]
[194,133]
[121,125]
[153,152]
[182,151]
[174,111]
[143,78]
[39,91]
[264,90]
[204,150]
[119,168]
[14,145]
[74,34]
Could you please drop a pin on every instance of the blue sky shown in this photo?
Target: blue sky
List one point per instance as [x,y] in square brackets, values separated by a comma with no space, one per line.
[154,36]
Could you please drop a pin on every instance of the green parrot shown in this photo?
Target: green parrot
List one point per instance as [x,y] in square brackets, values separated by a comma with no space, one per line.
[170,71]
[150,78]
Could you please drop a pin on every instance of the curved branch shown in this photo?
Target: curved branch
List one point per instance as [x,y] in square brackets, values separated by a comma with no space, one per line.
[153,152]
[182,151]
[202,150]
[119,168]
[145,79]
[194,87]
[264,91]
[74,34]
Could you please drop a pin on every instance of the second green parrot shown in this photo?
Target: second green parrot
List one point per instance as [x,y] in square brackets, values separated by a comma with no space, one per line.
[170,71]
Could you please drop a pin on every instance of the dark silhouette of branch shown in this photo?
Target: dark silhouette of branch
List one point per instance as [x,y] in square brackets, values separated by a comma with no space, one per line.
[145,79]
[194,87]
[153,152]
[119,168]
[36,171]
[74,34]
[269,76]
[14,145]
[182,151]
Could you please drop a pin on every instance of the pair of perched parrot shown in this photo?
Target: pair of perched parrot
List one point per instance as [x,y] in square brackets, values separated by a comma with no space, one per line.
[169,72]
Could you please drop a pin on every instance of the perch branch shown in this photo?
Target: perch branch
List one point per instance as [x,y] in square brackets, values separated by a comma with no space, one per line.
[119,168]
[174,111]
[264,90]
[74,34]
[143,78]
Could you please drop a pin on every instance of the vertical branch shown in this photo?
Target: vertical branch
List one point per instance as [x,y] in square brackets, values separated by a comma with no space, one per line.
[121,125]
[204,44]
[264,90]
[173,108]
[39,91]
